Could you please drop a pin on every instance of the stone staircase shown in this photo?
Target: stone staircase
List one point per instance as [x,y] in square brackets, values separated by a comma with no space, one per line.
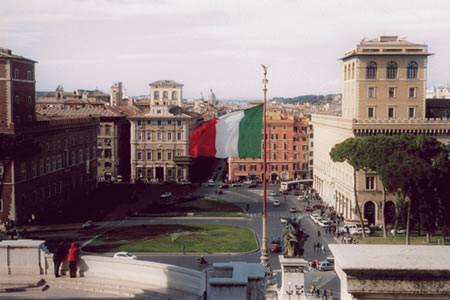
[108,287]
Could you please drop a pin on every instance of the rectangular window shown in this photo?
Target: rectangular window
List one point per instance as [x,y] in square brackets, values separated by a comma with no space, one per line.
[169,136]
[274,167]
[370,182]
[242,167]
[285,167]
[252,167]
[371,92]
[371,112]
[274,146]
[149,155]
[411,112]
[107,130]
[284,136]
[392,92]
[179,136]
[139,155]
[159,155]
[169,155]
[158,135]
[412,92]
[179,122]
[285,156]
[391,112]
[139,135]
[159,122]
[294,148]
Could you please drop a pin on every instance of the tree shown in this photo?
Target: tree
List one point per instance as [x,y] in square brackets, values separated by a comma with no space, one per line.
[353,152]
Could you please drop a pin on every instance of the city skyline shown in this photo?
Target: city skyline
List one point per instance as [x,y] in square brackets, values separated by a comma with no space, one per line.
[217,45]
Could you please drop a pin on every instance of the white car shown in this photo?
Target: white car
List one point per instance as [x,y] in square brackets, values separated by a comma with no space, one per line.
[323,223]
[248,182]
[236,184]
[88,225]
[359,230]
[272,193]
[124,255]
[211,182]
[283,220]
[399,231]
[166,195]
[276,202]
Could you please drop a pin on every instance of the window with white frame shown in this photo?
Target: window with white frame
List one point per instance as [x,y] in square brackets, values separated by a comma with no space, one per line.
[169,155]
[391,112]
[371,92]
[149,135]
[179,136]
[370,182]
[159,155]
[371,112]
[169,136]
[392,92]
[411,112]
[149,154]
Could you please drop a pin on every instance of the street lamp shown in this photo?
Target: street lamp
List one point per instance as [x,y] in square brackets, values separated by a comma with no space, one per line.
[299,291]
[290,291]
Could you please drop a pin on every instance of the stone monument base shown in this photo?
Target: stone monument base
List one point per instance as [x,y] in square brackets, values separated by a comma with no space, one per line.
[292,278]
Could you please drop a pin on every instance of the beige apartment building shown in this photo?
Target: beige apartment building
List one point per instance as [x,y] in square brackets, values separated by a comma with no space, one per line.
[160,136]
[384,86]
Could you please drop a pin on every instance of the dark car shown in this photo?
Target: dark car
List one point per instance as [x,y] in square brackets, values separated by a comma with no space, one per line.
[219,191]
[275,246]
[252,185]
[224,186]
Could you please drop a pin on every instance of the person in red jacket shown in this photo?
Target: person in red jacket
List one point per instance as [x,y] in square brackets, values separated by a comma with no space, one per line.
[72,258]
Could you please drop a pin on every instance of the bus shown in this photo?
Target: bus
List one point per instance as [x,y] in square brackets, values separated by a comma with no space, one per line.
[295,184]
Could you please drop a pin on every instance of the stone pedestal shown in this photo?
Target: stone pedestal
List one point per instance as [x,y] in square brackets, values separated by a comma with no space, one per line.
[292,277]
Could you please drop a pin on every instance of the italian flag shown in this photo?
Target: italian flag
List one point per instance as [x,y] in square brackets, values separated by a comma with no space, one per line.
[237,134]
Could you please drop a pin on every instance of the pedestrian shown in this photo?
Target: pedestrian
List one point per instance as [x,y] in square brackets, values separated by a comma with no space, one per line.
[314,247]
[322,248]
[182,249]
[72,258]
[318,293]
[324,295]
[318,233]
[58,257]
[318,246]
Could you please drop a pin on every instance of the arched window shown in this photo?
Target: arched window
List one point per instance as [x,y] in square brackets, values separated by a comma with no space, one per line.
[391,70]
[174,95]
[165,95]
[156,95]
[411,70]
[371,70]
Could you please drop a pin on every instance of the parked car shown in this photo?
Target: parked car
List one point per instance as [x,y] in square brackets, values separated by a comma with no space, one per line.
[224,186]
[276,202]
[236,184]
[252,185]
[301,198]
[293,209]
[318,206]
[88,225]
[272,193]
[359,230]
[275,246]
[284,192]
[349,227]
[323,223]
[124,255]
[248,182]
[400,230]
[211,182]
[297,193]
[166,195]
[325,266]
[307,208]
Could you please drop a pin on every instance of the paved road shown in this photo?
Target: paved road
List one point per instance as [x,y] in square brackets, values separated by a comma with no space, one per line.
[240,196]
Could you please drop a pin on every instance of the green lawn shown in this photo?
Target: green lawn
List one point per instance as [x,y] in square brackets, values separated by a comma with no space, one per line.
[400,240]
[169,238]
[182,206]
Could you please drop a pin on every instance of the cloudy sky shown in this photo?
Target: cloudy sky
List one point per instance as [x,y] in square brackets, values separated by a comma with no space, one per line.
[216,44]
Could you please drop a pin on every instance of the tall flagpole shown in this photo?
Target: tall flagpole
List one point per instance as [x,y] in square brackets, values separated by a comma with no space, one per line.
[264,256]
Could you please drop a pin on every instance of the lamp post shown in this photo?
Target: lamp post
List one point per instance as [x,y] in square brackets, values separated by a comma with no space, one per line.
[264,256]
[290,291]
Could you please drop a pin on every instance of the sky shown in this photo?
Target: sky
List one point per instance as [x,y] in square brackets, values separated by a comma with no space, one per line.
[213,44]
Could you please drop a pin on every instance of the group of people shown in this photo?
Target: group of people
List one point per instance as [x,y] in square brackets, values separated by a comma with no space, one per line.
[318,247]
[321,294]
[73,256]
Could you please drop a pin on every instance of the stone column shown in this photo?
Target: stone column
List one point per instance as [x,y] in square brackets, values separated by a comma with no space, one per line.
[292,277]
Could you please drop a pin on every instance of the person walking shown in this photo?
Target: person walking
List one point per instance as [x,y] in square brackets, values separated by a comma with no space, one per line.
[58,257]
[324,295]
[318,233]
[314,247]
[322,248]
[72,258]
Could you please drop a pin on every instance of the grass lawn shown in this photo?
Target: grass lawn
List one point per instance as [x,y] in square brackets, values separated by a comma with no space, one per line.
[400,240]
[183,206]
[169,238]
